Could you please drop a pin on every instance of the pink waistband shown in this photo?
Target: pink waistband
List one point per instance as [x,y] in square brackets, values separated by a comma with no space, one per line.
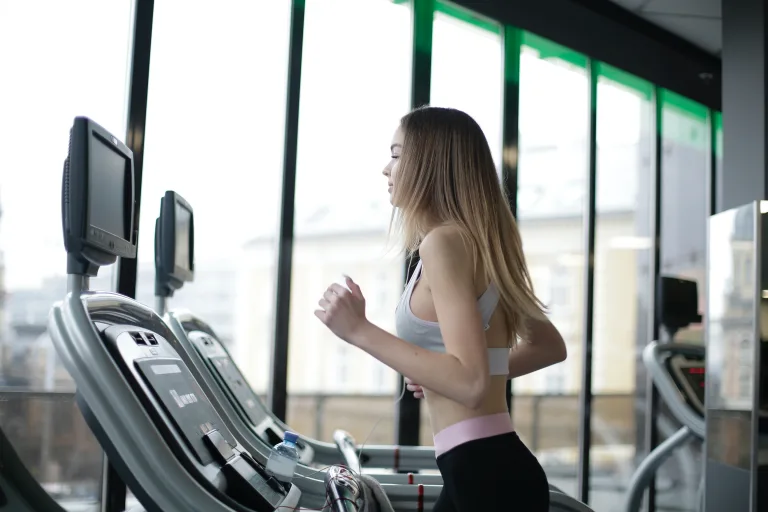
[471,429]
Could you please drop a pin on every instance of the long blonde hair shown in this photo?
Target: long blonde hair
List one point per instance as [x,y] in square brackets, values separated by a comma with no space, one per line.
[446,175]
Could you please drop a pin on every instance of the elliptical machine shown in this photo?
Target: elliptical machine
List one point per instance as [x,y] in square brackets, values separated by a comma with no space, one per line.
[678,373]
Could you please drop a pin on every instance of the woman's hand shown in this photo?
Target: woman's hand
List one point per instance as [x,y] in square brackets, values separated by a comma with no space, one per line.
[418,391]
[343,310]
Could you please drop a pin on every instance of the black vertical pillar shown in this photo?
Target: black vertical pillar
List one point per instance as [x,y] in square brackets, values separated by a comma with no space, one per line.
[651,437]
[278,383]
[511,127]
[408,413]
[742,177]
[113,489]
[138,91]
[585,396]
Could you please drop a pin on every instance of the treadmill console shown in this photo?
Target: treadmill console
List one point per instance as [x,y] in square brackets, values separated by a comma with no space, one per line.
[141,345]
[242,396]
[690,377]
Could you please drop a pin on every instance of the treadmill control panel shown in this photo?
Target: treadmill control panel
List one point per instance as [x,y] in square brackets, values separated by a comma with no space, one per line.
[219,361]
[229,375]
[182,411]
[184,402]
[690,377]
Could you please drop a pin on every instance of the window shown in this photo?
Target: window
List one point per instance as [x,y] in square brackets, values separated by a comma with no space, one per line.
[552,184]
[341,379]
[467,72]
[467,75]
[554,379]
[623,244]
[685,189]
[52,72]
[355,87]
[561,288]
[685,177]
[215,124]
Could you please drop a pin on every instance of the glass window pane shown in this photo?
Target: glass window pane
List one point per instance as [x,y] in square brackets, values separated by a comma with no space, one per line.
[685,187]
[622,286]
[552,185]
[52,72]
[48,48]
[466,74]
[355,86]
[52,440]
[215,129]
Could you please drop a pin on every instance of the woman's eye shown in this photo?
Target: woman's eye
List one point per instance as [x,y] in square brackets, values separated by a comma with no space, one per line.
[395,157]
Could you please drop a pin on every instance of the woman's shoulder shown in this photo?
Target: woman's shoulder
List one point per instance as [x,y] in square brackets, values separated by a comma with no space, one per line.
[447,246]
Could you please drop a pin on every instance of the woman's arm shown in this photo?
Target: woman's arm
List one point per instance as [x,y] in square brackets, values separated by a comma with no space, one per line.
[460,374]
[544,347]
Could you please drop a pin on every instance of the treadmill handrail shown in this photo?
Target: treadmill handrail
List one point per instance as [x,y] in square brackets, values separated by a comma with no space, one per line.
[653,355]
[346,444]
[343,490]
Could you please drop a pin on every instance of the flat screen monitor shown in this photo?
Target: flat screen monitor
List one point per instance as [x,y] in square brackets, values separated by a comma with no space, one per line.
[97,199]
[174,244]
[183,224]
[108,187]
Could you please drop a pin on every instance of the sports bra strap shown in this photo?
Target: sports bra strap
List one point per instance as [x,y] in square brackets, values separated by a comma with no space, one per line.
[498,361]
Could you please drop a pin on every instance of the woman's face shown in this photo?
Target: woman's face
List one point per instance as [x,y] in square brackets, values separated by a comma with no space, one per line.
[390,171]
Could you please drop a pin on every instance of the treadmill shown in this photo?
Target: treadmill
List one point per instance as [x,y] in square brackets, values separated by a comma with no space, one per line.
[174,231]
[157,427]
[241,407]
[678,372]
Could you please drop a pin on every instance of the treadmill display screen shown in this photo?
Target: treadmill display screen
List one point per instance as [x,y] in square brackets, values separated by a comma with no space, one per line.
[183,228]
[690,377]
[696,378]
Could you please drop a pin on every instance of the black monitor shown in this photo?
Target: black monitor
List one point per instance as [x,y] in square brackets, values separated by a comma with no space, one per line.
[677,303]
[98,199]
[174,245]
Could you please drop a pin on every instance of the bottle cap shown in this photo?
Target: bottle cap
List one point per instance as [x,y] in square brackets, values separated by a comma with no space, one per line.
[291,437]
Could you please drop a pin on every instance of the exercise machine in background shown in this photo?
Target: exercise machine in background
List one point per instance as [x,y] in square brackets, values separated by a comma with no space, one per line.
[678,373]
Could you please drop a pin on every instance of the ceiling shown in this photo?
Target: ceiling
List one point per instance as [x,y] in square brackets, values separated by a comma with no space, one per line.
[698,21]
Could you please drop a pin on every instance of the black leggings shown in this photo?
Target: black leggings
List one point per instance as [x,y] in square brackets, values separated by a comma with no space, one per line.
[492,474]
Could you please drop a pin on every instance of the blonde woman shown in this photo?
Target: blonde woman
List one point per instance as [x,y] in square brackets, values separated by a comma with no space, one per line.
[469,301]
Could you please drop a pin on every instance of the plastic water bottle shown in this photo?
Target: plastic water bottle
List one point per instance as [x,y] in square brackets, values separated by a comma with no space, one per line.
[284,458]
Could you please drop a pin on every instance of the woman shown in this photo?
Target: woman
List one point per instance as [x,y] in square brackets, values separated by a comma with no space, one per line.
[469,300]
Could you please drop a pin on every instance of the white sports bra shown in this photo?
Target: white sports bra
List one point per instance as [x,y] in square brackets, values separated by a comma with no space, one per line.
[427,334]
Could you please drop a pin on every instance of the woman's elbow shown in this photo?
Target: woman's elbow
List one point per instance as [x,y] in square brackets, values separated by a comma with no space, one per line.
[560,352]
[552,341]
[476,392]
